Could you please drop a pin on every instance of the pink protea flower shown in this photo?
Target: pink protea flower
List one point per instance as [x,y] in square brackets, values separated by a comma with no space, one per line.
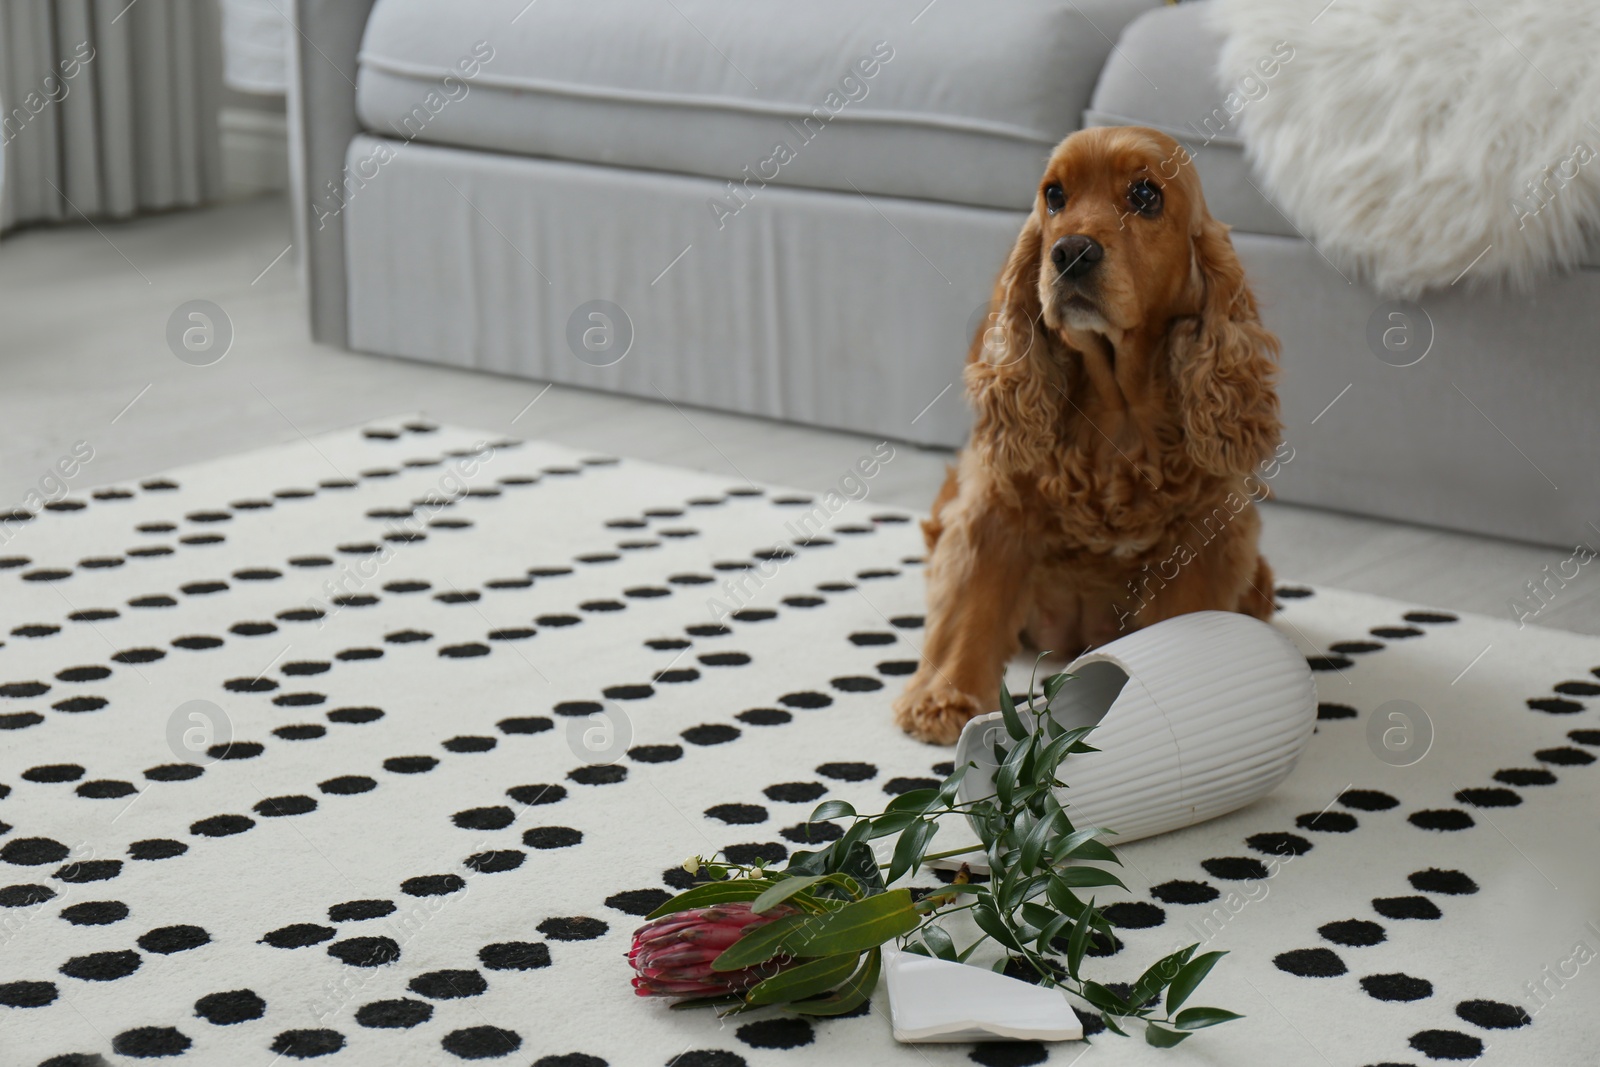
[673,954]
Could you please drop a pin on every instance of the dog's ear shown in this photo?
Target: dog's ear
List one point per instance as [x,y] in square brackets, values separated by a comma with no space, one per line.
[1009,378]
[1224,363]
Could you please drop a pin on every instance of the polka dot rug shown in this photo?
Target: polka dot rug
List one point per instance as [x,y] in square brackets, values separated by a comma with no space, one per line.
[374,748]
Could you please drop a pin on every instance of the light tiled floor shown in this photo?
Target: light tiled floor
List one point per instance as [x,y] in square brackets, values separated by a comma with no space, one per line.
[83,356]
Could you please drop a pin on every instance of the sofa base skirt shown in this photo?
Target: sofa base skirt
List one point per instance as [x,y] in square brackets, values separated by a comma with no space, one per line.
[841,311]
[829,309]
[1492,429]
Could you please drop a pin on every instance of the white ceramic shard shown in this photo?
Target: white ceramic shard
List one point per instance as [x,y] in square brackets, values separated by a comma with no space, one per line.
[935,1000]
[1194,717]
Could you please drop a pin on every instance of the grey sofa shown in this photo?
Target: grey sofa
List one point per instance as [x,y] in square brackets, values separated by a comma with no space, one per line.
[598,196]
[797,211]
[1492,431]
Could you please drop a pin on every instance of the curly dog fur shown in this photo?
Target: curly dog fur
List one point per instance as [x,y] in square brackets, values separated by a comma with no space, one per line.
[1125,410]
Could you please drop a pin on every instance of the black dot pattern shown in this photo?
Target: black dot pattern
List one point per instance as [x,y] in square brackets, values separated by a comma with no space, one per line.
[230,1007]
[1367,800]
[1399,987]
[1183,892]
[1310,963]
[1447,1045]
[394,639]
[1356,933]
[1441,819]
[394,1014]
[1235,868]
[1134,915]
[1493,1015]
[1406,908]
[776,1033]
[1450,883]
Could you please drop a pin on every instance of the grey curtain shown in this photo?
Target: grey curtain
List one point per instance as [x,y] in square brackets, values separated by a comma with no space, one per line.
[108,108]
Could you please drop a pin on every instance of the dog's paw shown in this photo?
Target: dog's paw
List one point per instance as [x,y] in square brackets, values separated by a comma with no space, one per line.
[935,716]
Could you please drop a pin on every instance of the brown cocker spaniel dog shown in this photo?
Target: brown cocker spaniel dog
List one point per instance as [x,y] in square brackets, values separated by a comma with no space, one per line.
[1124,407]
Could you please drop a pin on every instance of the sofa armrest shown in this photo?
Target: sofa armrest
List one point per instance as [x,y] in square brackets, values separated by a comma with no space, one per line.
[322,120]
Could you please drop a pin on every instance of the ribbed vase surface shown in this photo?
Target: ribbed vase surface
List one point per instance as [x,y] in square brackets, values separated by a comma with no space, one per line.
[1195,717]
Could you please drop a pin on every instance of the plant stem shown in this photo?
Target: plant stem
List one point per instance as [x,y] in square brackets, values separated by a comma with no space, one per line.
[952,852]
[940,855]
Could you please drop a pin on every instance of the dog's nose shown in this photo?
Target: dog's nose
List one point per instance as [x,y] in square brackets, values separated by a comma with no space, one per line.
[1076,254]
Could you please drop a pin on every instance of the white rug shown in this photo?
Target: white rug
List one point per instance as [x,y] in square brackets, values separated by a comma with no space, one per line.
[419,850]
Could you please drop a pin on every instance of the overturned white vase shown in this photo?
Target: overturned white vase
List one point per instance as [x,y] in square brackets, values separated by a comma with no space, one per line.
[934,1000]
[1194,717]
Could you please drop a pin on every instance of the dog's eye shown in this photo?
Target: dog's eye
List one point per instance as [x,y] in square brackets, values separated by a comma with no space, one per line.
[1144,196]
[1055,198]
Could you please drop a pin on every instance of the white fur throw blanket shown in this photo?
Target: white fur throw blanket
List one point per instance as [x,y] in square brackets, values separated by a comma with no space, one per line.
[1411,140]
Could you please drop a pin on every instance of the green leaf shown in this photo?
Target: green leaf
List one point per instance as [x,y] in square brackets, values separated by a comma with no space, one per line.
[891,823]
[989,922]
[1062,898]
[1008,712]
[861,863]
[832,809]
[839,885]
[1070,843]
[1147,988]
[805,980]
[1056,751]
[855,927]
[1111,1024]
[948,789]
[709,893]
[859,831]
[724,1000]
[1060,747]
[801,863]
[1033,844]
[1104,999]
[1161,1037]
[916,801]
[1078,733]
[909,849]
[999,749]
[1033,674]
[1052,686]
[1005,782]
[1023,889]
[939,942]
[1020,749]
[1197,1018]
[1028,760]
[849,996]
[834,857]
[1049,931]
[781,892]
[760,944]
[1084,877]
[1078,943]
[1049,804]
[1189,978]
[1093,851]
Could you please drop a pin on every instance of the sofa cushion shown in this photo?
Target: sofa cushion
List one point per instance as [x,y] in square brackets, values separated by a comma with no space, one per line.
[1200,106]
[955,100]
[1195,103]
